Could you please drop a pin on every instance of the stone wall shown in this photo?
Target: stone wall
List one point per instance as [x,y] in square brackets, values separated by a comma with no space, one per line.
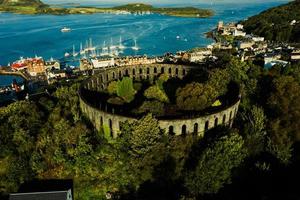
[100,117]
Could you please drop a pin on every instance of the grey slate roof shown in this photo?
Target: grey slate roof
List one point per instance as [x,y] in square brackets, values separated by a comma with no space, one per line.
[53,195]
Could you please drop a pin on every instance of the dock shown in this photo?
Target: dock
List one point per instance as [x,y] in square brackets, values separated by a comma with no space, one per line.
[4,71]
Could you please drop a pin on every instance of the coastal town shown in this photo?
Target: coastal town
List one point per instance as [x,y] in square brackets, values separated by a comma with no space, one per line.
[230,38]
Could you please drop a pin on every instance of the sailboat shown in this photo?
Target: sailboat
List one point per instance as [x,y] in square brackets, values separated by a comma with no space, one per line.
[74,53]
[82,52]
[104,48]
[135,47]
[121,46]
[111,44]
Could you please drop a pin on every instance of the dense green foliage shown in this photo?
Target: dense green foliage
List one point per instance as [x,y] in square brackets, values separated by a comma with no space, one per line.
[195,96]
[215,164]
[275,23]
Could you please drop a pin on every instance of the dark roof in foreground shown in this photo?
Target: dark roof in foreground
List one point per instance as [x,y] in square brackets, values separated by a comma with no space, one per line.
[52,195]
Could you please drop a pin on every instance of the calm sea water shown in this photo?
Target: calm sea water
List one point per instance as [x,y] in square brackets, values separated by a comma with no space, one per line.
[28,35]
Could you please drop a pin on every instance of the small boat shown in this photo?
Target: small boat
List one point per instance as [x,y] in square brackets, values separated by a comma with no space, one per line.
[121,46]
[177,37]
[135,47]
[67,54]
[74,52]
[66,29]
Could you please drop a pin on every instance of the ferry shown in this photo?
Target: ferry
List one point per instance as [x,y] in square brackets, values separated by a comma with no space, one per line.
[66,29]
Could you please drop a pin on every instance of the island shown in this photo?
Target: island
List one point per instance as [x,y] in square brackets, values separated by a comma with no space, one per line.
[38,7]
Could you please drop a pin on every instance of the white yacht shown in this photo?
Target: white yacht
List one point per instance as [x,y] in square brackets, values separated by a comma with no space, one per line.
[66,29]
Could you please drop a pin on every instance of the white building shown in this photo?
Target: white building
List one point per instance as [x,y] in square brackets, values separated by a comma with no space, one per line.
[200,55]
[239,33]
[258,39]
[295,55]
[103,62]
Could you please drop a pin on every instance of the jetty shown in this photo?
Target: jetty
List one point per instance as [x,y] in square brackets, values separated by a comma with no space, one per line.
[7,71]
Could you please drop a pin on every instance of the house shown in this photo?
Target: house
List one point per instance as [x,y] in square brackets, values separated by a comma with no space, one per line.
[295,55]
[102,62]
[85,64]
[52,64]
[50,195]
[258,39]
[245,44]
[199,55]
[237,33]
[272,59]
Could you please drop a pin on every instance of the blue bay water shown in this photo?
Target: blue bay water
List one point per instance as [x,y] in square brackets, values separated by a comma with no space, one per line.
[30,35]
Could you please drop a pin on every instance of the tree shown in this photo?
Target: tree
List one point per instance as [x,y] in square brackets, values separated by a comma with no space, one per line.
[215,165]
[195,96]
[112,87]
[154,107]
[237,70]
[125,89]
[219,79]
[154,92]
[254,130]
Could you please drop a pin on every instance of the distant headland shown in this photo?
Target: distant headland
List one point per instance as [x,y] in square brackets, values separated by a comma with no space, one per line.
[38,7]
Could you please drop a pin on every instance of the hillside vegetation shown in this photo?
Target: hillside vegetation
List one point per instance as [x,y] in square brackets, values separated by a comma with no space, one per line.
[38,7]
[281,23]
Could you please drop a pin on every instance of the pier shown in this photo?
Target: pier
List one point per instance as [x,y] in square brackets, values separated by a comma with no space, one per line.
[4,71]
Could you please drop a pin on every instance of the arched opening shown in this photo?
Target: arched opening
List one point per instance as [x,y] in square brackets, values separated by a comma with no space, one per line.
[148,77]
[224,119]
[133,72]
[110,128]
[107,78]
[176,71]
[120,74]
[183,72]
[113,74]
[148,70]
[206,125]
[162,70]
[183,130]
[101,121]
[155,70]
[216,122]
[101,78]
[126,72]
[171,130]
[120,125]
[196,128]
[141,70]
[141,77]
[170,71]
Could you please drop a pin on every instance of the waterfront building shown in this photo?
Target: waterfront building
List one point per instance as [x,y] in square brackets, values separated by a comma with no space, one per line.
[52,64]
[295,55]
[102,62]
[199,55]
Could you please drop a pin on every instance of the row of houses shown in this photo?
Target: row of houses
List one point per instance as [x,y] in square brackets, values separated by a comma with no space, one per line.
[103,62]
